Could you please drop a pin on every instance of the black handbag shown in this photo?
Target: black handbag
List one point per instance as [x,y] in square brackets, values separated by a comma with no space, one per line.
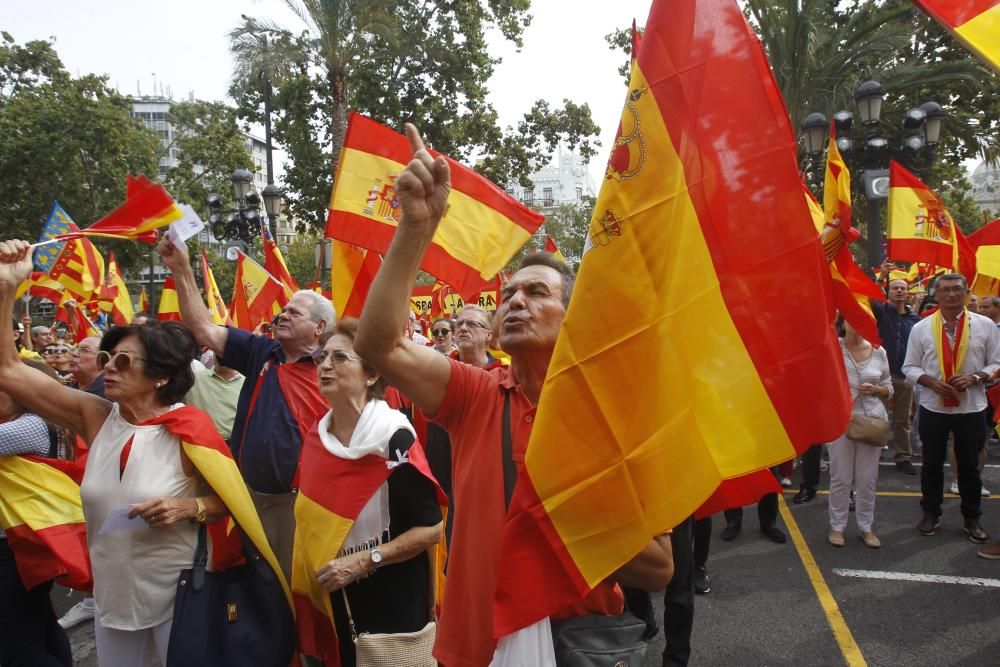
[235,618]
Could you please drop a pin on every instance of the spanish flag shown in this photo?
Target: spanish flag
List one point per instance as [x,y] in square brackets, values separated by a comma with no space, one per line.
[42,517]
[975,23]
[143,300]
[483,229]
[324,514]
[80,326]
[351,274]
[724,370]
[257,295]
[147,207]
[113,295]
[553,249]
[920,227]
[274,263]
[168,308]
[216,306]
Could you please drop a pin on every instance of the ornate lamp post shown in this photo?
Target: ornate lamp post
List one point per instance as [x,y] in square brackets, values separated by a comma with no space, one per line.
[242,223]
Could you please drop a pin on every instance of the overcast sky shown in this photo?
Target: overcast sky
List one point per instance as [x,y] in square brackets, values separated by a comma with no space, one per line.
[182,46]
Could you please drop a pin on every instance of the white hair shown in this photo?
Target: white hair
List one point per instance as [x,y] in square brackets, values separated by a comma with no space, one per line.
[322,309]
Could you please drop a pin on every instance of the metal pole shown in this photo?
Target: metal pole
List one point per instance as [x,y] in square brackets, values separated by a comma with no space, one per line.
[271,220]
[874,219]
[152,265]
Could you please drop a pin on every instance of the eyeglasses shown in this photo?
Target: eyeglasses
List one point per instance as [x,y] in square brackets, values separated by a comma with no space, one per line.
[55,350]
[122,360]
[469,323]
[440,332]
[336,358]
[951,290]
[80,351]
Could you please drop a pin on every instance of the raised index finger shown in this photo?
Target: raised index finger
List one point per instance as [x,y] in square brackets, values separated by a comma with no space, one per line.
[413,136]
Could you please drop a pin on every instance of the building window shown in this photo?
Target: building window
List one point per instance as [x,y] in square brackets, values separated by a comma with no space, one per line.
[529,197]
[546,196]
[579,193]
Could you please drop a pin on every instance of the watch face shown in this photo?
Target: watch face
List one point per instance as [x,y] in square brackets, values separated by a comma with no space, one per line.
[376,556]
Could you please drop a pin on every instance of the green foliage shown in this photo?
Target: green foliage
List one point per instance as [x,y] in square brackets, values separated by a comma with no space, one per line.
[210,147]
[301,260]
[568,226]
[63,138]
[396,61]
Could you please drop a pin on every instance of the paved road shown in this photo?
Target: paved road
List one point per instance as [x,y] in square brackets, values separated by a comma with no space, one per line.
[764,610]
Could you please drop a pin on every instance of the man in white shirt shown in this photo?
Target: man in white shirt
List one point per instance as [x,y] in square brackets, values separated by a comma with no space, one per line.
[952,353]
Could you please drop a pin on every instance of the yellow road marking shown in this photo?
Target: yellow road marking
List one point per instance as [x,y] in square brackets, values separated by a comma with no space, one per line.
[841,632]
[896,494]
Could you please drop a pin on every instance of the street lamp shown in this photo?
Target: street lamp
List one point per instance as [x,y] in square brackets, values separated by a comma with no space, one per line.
[922,132]
[243,222]
[272,204]
[265,76]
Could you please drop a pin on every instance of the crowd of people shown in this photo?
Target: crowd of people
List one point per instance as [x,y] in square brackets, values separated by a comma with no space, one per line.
[446,419]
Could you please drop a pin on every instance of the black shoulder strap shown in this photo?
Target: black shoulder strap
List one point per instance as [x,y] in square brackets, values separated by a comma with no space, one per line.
[509,469]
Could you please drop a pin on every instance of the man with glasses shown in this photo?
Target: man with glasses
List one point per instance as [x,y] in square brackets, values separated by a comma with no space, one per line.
[473,333]
[87,373]
[279,401]
[952,354]
[895,321]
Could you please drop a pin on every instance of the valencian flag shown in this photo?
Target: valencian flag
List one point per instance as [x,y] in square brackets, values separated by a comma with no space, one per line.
[216,306]
[274,263]
[257,295]
[76,263]
[147,207]
[351,274]
[975,23]
[723,384]
[42,517]
[143,301]
[483,229]
[324,514]
[168,308]
[553,249]
[921,229]
[113,295]
[39,285]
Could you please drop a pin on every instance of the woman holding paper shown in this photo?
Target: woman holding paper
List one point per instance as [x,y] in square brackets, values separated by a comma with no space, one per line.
[143,497]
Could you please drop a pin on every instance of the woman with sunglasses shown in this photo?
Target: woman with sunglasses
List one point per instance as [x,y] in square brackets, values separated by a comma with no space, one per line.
[441,335]
[378,574]
[144,498]
[58,356]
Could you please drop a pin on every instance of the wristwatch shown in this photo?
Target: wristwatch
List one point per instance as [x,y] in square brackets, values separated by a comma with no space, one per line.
[202,515]
[376,557]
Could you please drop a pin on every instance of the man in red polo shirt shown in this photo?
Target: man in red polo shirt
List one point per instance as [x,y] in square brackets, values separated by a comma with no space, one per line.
[470,403]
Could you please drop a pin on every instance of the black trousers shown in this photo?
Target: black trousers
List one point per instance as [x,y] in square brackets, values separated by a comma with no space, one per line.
[970,435]
[810,467]
[767,512]
[30,635]
[702,540]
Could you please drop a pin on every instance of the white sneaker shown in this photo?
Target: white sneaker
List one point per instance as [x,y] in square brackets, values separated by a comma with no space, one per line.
[785,482]
[953,488]
[77,614]
[985,493]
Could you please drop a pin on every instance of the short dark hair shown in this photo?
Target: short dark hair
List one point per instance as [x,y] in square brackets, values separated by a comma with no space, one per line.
[348,326]
[451,325]
[169,348]
[952,276]
[548,259]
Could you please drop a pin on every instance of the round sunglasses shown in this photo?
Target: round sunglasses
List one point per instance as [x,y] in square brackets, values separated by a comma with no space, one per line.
[122,361]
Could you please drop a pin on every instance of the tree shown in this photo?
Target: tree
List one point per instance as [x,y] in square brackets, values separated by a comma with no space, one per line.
[569,225]
[64,138]
[396,61]
[209,147]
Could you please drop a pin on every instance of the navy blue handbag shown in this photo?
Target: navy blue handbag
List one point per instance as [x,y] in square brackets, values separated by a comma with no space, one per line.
[235,618]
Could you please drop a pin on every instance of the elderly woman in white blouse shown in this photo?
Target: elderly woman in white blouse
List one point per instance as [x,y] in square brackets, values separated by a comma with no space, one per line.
[855,463]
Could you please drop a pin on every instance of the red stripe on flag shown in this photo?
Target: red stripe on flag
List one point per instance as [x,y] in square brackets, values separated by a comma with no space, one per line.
[920,250]
[956,12]
[739,492]
[35,555]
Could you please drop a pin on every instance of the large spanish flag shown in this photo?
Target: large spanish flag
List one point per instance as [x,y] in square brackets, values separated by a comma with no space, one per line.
[920,227]
[975,23]
[708,371]
[42,517]
[484,227]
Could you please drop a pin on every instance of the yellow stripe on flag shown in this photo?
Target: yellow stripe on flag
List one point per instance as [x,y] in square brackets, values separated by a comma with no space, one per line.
[319,534]
[584,377]
[486,239]
[20,480]
[982,35]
